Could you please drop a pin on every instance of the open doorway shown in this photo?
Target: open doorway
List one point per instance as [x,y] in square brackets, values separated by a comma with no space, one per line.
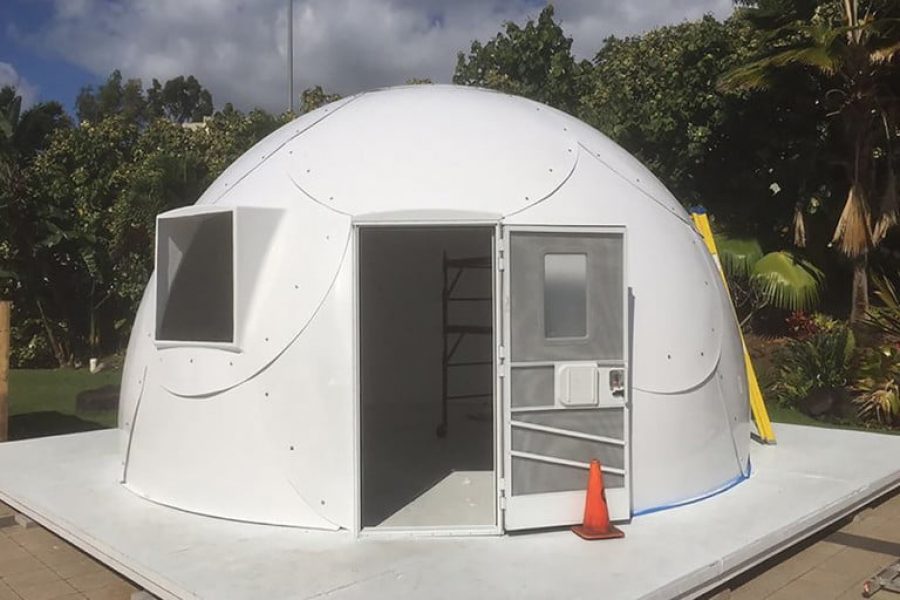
[426,351]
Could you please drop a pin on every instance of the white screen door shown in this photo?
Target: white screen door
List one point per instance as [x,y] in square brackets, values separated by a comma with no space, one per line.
[565,373]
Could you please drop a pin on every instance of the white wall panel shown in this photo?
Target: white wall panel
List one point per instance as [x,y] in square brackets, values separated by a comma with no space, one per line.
[307,406]
[293,278]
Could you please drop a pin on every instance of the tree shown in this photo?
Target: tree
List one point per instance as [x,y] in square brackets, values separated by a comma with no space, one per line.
[112,98]
[314,97]
[534,61]
[851,49]
[170,168]
[72,186]
[10,111]
[655,94]
[180,100]
[22,136]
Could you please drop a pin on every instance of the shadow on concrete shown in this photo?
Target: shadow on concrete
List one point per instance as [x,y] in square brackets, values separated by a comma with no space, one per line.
[45,423]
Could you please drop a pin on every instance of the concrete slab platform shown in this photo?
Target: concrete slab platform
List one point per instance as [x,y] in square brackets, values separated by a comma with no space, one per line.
[810,479]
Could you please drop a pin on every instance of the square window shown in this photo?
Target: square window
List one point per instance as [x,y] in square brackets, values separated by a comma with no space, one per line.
[195,278]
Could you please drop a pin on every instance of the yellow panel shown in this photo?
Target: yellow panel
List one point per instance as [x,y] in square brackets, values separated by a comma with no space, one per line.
[757,404]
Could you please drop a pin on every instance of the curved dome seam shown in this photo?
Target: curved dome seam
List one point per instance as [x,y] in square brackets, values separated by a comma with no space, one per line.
[549,194]
[688,389]
[314,199]
[350,100]
[642,191]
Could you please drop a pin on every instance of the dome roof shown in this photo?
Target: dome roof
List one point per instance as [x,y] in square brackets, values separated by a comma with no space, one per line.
[458,150]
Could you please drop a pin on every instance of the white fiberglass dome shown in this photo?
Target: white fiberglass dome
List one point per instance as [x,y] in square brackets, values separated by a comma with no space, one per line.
[241,390]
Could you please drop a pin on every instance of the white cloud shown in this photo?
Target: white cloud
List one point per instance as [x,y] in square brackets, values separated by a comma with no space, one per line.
[588,22]
[237,48]
[27,90]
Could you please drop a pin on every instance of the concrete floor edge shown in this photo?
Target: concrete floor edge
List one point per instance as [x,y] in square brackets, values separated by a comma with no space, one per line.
[804,530]
[763,538]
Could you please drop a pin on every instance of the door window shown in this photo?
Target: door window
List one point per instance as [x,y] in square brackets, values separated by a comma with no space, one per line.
[565,295]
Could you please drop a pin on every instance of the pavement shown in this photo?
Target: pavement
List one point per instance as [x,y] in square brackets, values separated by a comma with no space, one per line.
[37,565]
[833,565]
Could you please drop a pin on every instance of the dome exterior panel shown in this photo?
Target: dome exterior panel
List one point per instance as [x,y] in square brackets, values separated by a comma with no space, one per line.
[193,466]
[432,149]
[622,163]
[139,353]
[305,409]
[692,451]
[732,374]
[206,437]
[264,150]
[287,288]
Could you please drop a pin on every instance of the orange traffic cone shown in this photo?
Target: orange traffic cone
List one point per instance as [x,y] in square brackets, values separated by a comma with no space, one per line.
[596,515]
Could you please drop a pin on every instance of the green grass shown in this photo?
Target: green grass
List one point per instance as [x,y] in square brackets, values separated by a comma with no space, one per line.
[792,416]
[42,401]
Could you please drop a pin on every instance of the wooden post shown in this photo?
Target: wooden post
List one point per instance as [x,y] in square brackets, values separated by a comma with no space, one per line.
[5,307]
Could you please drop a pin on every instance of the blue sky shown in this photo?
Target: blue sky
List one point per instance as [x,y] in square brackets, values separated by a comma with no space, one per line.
[52,77]
[237,48]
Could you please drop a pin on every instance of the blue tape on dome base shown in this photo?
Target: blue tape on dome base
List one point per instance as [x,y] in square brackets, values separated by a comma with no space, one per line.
[697,210]
[724,488]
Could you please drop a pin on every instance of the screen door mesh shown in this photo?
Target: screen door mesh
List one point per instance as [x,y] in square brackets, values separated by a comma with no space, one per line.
[528,295]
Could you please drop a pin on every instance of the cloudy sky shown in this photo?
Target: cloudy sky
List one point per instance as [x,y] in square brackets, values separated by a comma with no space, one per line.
[237,48]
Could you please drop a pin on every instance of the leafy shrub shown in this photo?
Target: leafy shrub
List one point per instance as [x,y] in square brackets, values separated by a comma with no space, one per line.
[821,361]
[764,285]
[738,255]
[884,318]
[29,347]
[878,385]
[823,322]
[802,325]
[780,279]
[787,281]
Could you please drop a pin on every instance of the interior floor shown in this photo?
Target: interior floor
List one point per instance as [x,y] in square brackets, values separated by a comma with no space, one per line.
[418,479]
[418,468]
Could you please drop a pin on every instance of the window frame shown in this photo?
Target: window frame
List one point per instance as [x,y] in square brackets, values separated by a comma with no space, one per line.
[188,212]
[585,287]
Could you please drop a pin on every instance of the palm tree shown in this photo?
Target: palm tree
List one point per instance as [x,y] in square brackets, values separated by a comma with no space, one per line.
[779,279]
[852,46]
[24,133]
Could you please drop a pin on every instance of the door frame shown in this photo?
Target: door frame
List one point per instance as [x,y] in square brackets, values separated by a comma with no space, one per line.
[569,500]
[475,530]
